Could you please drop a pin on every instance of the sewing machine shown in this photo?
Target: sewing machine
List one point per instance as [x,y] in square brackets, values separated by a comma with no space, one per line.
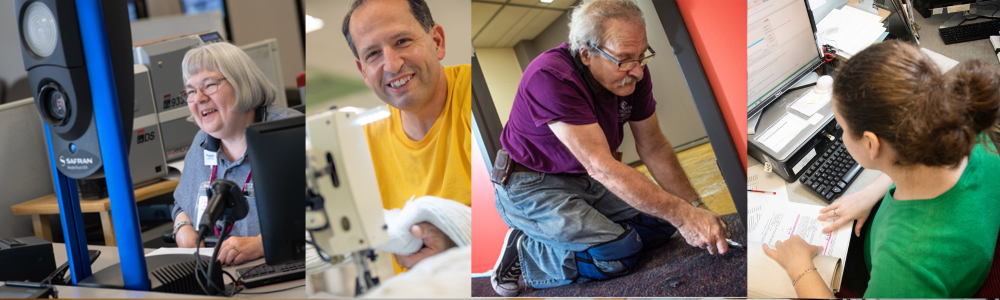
[344,215]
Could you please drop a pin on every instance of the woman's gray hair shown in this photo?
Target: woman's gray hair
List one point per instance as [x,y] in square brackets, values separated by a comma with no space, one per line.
[253,89]
[586,23]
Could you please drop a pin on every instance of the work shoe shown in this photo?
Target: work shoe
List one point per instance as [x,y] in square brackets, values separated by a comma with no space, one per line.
[507,271]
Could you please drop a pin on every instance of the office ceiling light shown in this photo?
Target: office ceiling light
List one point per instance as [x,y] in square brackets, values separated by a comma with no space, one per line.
[313,24]
[39,29]
[546,1]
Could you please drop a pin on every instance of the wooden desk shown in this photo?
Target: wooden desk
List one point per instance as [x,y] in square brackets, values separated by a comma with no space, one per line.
[41,208]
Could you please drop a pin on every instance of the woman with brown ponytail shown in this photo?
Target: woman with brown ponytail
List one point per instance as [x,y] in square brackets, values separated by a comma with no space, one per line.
[935,210]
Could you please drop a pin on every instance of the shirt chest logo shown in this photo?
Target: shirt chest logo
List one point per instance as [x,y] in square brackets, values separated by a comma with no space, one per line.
[624,112]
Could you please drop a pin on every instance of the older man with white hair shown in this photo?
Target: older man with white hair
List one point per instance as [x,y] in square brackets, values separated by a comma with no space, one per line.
[575,212]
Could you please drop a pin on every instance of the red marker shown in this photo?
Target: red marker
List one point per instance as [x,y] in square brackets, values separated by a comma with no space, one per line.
[762,192]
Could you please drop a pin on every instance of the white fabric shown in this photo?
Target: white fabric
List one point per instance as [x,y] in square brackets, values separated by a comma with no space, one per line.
[445,275]
[452,218]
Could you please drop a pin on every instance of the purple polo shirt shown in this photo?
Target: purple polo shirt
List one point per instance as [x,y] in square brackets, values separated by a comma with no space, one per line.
[552,89]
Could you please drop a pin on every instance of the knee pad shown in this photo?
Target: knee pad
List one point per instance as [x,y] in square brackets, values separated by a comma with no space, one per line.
[653,231]
[611,259]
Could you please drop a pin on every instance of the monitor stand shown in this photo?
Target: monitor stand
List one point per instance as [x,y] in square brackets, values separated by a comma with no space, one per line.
[957,19]
[975,10]
[754,120]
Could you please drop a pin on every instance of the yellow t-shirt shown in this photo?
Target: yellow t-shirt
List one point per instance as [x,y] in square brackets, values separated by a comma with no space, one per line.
[439,164]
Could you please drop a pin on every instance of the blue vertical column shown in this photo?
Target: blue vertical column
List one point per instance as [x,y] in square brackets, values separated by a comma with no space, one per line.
[71,217]
[109,131]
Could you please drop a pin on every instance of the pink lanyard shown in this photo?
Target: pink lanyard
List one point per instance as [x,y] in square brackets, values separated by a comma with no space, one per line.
[214,169]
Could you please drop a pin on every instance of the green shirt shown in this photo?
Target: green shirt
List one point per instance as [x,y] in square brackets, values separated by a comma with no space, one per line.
[940,247]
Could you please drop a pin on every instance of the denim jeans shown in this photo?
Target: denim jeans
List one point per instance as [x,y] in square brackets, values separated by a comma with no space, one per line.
[561,214]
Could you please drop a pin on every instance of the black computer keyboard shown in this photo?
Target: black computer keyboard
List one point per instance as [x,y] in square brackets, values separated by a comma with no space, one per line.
[263,274]
[832,172]
[970,32]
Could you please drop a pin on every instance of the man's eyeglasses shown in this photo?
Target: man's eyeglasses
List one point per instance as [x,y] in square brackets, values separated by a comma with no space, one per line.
[628,65]
[207,88]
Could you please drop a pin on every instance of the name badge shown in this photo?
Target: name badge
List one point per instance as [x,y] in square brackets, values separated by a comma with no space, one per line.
[249,190]
[202,204]
[210,158]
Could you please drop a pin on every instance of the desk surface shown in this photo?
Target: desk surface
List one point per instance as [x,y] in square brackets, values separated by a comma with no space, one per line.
[109,257]
[797,192]
[930,39]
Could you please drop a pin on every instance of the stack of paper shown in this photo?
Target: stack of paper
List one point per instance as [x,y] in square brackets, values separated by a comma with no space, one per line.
[848,31]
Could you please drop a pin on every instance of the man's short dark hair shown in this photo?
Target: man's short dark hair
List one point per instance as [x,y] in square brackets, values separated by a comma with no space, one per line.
[418,8]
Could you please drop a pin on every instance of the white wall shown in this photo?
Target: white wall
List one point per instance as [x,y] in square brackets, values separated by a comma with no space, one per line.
[11,64]
[503,77]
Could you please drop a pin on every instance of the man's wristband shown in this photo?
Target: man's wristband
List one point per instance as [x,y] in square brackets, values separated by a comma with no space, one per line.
[697,203]
[177,227]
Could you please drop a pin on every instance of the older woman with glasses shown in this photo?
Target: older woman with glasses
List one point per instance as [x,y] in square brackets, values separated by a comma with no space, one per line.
[226,93]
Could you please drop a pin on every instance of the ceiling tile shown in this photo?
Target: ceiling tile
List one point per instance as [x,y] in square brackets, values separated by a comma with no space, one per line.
[562,4]
[514,33]
[502,22]
[481,13]
[540,22]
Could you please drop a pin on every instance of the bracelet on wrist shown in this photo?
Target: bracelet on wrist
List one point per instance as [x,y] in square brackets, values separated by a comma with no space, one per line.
[796,280]
[177,228]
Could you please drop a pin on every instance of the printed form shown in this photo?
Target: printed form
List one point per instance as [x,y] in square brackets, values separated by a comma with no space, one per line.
[781,221]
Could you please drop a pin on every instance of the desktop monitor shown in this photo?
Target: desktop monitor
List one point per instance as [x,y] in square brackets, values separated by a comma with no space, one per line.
[781,49]
[137,10]
[276,150]
[192,7]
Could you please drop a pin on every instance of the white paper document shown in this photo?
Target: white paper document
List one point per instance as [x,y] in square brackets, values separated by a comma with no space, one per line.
[943,62]
[781,222]
[206,251]
[863,14]
[811,102]
[995,41]
[773,186]
[848,32]
[781,132]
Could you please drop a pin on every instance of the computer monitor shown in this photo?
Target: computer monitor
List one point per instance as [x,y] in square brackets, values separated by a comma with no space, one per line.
[781,49]
[192,7]
[137,10]
[276,150]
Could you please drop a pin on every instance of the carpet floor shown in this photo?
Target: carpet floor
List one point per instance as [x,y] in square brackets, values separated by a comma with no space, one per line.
[673,270]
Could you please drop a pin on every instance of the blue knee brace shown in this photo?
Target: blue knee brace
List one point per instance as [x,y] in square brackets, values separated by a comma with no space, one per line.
[653,231]
[611,259]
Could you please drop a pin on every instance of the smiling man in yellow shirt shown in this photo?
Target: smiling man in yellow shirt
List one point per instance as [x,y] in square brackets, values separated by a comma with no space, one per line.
[423,148]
